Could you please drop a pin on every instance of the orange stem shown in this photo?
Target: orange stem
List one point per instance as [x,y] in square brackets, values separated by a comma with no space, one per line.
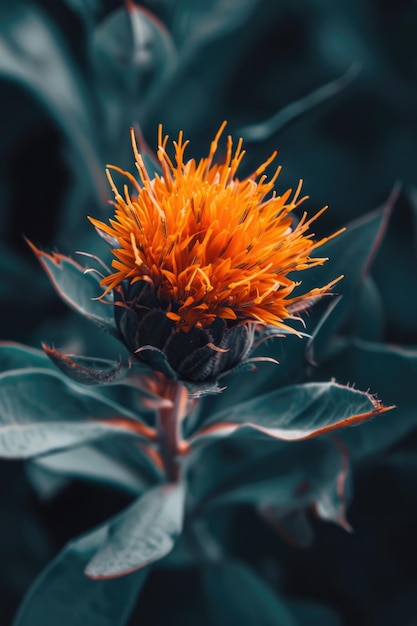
[169,427]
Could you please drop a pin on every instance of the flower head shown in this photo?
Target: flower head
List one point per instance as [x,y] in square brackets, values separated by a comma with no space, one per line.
[206,252]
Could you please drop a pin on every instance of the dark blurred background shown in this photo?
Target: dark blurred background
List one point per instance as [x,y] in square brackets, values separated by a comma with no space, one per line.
[332,85]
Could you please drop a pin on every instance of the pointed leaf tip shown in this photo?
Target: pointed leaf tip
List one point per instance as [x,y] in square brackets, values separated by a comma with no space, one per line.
[294,413]
[86,370]
[80,290]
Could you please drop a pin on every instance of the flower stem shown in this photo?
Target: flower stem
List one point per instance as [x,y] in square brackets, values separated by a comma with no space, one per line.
[169,425]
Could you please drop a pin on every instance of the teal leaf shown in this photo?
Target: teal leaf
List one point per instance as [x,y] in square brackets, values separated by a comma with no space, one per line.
[45,484]
[293,413]
[133,54]
[64,595]
[350,254]
[198,23]
[87,370]
[153,49]
[395,268]
[389,368]
[263,130]
[97,371]
[33,55]
[265,472]
[367,320]
[328,494]
[144,533]
[236,595]
[100,463]
[14,356]
[77,288]
[41,412]
[332,499]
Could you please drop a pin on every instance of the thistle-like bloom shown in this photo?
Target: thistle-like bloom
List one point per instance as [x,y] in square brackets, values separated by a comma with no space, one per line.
[202,257]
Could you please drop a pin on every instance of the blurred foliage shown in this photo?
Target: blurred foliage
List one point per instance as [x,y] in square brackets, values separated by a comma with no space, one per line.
[333,86]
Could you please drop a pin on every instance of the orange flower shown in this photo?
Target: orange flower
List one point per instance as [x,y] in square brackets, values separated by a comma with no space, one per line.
[209,244]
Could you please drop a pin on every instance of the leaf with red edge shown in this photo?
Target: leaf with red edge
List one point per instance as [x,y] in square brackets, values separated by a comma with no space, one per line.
[293,413]
[42,412]
[78,289]
[63,595]
[87,370]
[93,371]
[144,533]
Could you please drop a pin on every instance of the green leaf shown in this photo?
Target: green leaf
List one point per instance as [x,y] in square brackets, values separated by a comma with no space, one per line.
[367,320]
[326,488]
[93,371]
[77,288]
[33,54]
[333,497]
[236,595]
[395,268]
[350,254]
[112,464]
[41,412]
[144,533]
[263,471]
[45,484]
[198,23]
[133,55]
[262,131]
[64,595]
[14,356]
[389,369]
[87,370]
[292,413]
